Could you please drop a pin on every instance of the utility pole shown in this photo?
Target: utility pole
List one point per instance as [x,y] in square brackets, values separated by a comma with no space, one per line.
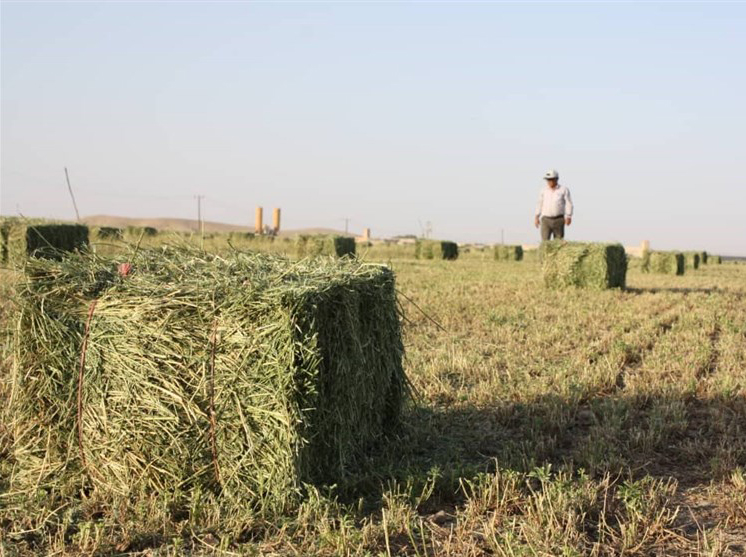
[347,225]
[72,196]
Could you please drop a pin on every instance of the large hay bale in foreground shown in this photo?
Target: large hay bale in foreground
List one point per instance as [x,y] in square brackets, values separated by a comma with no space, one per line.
[20,239]
[664,262]
[508,253]
[436,249]
[692,259]
[598,266]
[315,245]
[242,378]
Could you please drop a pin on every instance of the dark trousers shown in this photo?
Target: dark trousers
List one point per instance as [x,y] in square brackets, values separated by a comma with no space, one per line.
[552,226]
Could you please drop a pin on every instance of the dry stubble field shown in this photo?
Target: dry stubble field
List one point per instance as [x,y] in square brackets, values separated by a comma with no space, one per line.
[544,423]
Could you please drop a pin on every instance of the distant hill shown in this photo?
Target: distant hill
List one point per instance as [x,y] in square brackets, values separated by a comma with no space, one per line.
[186,225]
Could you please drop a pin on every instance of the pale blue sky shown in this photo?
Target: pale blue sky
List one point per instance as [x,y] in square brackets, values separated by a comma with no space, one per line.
[390,114]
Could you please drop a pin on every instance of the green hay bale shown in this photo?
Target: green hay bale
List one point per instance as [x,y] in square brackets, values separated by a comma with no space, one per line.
[508,253]
[436,249]
[110,233]
[238,379]
[692,259]
[316,245]
[598,266]
[664,262]
[146,231]
[20,239]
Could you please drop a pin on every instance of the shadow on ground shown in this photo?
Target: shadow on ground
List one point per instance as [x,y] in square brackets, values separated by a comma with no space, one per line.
[692,439]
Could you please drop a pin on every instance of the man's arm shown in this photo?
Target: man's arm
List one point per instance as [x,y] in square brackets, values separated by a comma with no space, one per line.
[537,215]
[568,208]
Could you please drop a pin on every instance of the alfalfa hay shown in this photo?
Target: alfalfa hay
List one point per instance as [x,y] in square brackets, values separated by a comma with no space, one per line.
[316,245]
[241,378]
[20,239]
[508,253]
[110,233]
[598,266]
[436,249]
[692,259]
[664,262]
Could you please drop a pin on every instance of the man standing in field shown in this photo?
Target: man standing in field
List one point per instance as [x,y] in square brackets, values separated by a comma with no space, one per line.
[554,210]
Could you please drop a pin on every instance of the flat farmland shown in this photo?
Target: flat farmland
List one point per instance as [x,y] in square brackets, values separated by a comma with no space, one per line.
[543,422]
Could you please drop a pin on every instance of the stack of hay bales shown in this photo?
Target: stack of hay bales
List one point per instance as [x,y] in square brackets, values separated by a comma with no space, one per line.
[110,233]
[692,259]
[663,262]
[598,266]
[436,249]
[313,246]
[20,239]
[236,379]
[508,253]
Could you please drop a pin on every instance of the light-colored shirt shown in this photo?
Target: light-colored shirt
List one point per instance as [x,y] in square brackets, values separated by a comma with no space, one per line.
[554,202]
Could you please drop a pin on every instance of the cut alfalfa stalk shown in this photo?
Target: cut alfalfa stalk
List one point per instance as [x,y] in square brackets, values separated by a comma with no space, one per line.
[692,259]
[598,266]
[508,253]
[436,249]
[20,239]
[242,377]
[664,262]
[316,245]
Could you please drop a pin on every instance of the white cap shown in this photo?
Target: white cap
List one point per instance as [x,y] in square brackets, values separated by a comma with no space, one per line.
[551,175]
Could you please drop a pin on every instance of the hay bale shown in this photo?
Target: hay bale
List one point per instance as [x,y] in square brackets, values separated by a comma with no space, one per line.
[703,257]
[316,245]
[110,233]
[237,378]
[20,239]
[692,259]
[436,249]
[598,266]
[508,253]
[664,262]
[137,231]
